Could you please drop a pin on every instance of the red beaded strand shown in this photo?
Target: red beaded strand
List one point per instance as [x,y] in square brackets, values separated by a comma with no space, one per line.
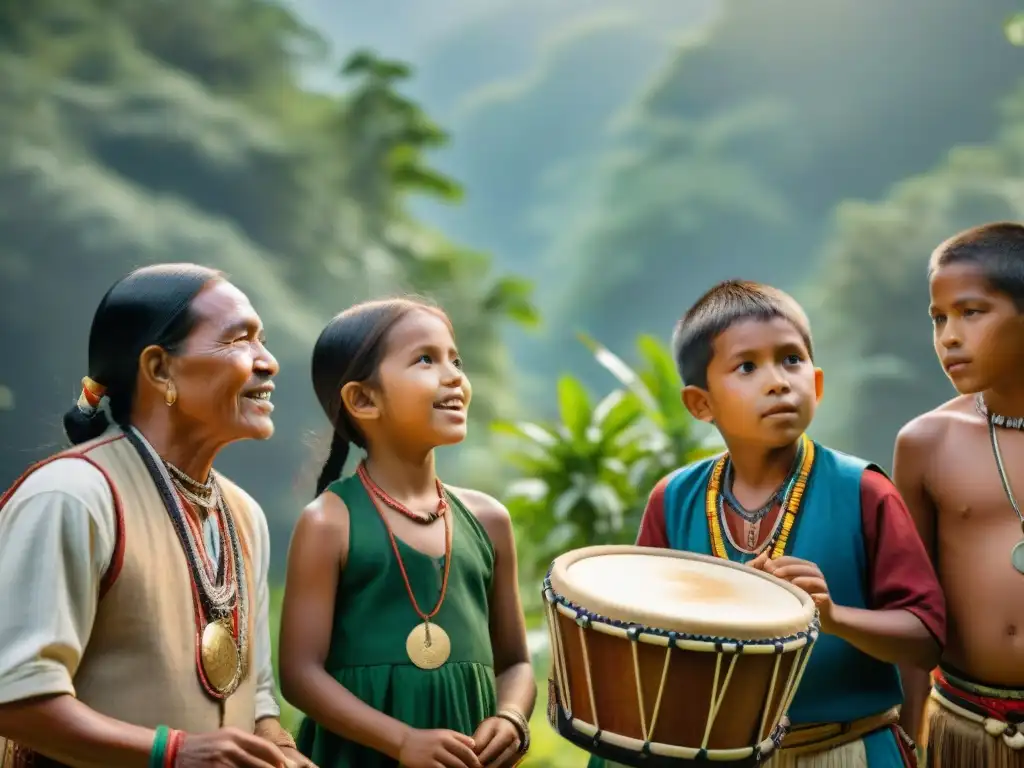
[376,490]
[384,498]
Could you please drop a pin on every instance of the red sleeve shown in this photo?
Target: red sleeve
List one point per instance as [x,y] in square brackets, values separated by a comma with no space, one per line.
[653,531]
[900,573]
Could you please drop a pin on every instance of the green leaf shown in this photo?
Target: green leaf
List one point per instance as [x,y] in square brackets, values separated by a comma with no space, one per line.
[421,135]
[574,406]
[530,465]
[525,315]
[364,61]
[604,498]
[525,430]
[529,489]
[565,502]
[618,368]
[661,376]
[412,175]
[617,412]
[1014,29]
[513,297]
[600,462]
[658,357]
[560,537]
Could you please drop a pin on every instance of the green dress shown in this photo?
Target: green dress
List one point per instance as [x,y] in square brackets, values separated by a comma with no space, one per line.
[373,616]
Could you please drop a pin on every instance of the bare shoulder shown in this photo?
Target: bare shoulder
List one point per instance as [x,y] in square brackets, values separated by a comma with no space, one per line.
[326,515]
[924,432]
[492,514]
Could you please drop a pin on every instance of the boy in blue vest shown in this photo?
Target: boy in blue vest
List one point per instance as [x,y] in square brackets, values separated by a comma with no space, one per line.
[744,353]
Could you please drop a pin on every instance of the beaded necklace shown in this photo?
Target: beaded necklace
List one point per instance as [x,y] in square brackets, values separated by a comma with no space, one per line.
[1007,422]
[370,484]
[428,645]
[221,599]
[715,511]
[750,515]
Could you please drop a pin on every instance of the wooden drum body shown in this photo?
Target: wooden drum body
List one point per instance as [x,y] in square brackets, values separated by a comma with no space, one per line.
[666,658]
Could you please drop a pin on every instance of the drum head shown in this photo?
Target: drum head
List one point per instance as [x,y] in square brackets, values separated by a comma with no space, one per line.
[682,592]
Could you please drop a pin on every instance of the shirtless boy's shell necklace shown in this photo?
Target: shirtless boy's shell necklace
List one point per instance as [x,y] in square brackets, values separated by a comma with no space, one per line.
[1017,553]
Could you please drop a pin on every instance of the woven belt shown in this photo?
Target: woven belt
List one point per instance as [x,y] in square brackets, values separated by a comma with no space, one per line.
[820,737]
[988,712]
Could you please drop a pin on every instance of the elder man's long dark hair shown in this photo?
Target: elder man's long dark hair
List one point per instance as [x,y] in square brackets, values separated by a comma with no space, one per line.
[151,305]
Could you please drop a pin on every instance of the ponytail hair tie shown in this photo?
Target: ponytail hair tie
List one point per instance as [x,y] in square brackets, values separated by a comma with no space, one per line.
[92,393]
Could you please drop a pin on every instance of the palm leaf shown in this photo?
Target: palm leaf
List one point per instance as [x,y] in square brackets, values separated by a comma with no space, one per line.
[617,367]
[574,406]
[618,411]
[526,430]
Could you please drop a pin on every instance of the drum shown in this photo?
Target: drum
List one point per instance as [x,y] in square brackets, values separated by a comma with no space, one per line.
[666,658]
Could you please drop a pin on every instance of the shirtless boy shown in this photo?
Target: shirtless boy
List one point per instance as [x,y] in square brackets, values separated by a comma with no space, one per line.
[947,470]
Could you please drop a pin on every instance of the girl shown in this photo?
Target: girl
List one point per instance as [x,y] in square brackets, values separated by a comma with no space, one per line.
[402,637]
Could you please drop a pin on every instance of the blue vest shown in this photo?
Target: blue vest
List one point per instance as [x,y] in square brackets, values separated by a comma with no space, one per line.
[841,683]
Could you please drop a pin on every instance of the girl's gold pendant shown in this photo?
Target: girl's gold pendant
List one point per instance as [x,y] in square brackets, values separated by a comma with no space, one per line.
[1017,556]
[219,656]
[428,646]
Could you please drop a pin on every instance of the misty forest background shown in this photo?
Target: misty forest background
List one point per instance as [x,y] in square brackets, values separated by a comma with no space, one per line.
[564,177]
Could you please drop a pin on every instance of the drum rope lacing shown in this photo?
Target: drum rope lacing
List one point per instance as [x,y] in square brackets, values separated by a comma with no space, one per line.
[584,618]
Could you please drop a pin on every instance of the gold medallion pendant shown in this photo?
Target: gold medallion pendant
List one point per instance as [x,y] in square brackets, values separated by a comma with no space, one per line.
[428,646]
[219,656]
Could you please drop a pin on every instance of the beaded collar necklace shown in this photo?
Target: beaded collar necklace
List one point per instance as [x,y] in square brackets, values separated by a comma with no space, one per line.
[791,503]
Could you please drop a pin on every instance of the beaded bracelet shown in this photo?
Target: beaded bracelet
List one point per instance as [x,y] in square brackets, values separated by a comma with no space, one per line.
[166,745]
[177,738]
[521,725]
[158,753]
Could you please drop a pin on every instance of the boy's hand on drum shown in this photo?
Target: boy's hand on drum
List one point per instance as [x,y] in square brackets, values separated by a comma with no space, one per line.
[497,742]
[758,562]
[804,575]
[438,749]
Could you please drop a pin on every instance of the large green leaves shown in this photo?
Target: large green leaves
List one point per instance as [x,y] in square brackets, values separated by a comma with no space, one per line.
[141,132]
[512,297]
[584,478]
